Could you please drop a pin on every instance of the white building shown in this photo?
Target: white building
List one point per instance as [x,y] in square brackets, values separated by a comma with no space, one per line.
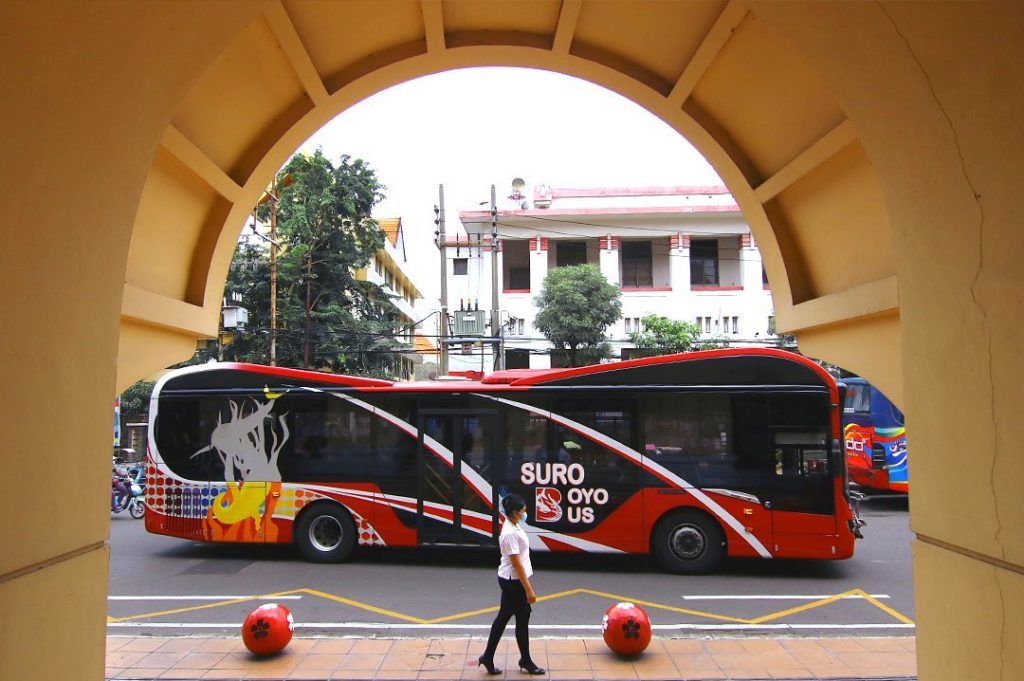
[680,252]
[388,268]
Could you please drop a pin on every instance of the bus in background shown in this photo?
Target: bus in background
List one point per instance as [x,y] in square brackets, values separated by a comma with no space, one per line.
[690,457]
[876,438]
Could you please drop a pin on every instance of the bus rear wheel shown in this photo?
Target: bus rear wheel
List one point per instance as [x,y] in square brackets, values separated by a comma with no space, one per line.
[325,533]
[688,542]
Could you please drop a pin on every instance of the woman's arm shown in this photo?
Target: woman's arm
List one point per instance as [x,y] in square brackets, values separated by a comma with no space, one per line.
[523,579]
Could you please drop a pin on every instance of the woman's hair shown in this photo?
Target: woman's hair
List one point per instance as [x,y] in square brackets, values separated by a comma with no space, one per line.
[512,503]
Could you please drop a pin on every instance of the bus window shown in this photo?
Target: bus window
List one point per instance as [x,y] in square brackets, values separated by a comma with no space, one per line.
[184,434]
[858,399]
[800,442]
[598,478]
[709,440]
[331,441]
[800,453]
[396,449]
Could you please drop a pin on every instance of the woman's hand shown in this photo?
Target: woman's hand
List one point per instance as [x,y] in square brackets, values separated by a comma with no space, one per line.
[523,579]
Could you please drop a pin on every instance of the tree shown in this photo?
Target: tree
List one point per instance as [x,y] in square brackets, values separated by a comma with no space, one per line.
[663,336]
[326,318]
[135,400]
[575,307]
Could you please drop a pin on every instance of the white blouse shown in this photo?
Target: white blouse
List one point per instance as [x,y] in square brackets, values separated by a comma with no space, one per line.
[513,542]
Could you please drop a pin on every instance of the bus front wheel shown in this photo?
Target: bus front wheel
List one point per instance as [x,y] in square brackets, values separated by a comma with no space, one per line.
[688,542]
[325,533]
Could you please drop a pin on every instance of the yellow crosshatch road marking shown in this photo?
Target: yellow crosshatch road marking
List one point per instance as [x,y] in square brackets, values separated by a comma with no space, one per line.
[549,597]
[205,606]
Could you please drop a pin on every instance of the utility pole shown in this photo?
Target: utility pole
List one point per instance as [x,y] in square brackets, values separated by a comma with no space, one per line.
[499,363]
[273,271]
[309,279]
[442,322]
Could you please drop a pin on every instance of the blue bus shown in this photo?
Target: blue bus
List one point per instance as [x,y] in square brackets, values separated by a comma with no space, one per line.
[876,438]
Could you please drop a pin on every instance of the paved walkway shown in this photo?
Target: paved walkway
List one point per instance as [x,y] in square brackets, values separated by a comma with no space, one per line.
[147,657]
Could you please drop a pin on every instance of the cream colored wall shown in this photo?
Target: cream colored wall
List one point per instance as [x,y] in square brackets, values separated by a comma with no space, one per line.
[87,91]
[934,93]
[875,150]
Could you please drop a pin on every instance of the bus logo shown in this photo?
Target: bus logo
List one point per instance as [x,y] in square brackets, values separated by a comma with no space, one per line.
[548,504]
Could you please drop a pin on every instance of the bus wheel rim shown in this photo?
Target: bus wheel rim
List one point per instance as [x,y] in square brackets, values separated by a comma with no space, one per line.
[325,533]
[687,542]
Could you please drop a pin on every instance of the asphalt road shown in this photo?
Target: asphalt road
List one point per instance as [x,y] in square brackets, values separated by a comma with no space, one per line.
[168,586]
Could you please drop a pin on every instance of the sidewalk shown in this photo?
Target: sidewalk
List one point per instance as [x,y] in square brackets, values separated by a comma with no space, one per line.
[146,657]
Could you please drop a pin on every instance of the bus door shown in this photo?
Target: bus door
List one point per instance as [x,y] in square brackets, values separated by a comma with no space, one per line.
[456,500]
[803,499]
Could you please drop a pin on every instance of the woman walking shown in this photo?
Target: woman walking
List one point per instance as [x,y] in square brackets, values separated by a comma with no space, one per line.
[514,574]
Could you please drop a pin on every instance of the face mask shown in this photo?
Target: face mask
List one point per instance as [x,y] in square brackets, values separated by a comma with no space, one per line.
[525,516]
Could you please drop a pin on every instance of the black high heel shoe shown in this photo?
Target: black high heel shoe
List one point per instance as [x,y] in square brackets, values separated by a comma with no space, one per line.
[530,668]
[491,669]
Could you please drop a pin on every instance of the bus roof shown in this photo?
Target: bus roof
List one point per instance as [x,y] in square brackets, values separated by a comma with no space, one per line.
[731,366]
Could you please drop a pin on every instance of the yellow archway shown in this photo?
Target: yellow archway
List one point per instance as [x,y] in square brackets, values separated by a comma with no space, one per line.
[289,79]
[874,148]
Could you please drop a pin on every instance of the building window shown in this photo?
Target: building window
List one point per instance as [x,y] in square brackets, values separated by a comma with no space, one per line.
[517,359]
[570,253]
[378,266]
[519,278]
[707,325]
[704,262]
[460,266]
[521,325]
[629,325]
[637,267]
[735,324]
[389,279]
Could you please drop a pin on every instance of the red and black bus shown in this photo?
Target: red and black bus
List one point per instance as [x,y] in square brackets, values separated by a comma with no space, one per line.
[690,457]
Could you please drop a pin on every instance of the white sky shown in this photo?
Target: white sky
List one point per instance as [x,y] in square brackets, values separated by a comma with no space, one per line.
[472,128]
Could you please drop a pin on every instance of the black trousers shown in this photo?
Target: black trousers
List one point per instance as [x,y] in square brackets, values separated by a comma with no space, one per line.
[513,603]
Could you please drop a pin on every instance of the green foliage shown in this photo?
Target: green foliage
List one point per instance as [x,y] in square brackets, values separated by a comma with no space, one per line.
[713,343]
[784,341]
[135,400]
[575,307]
[663,336]
[324,234]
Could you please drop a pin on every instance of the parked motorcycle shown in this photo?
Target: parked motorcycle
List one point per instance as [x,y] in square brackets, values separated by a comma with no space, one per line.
[133,501]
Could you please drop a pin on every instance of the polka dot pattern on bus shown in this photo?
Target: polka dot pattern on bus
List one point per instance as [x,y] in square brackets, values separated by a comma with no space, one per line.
[174,497]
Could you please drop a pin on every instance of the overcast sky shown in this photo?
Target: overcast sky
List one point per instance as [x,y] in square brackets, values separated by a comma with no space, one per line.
[472,128]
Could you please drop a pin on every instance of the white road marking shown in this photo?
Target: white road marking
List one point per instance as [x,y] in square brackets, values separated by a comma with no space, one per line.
[775,597]
[199,598]
[553,627]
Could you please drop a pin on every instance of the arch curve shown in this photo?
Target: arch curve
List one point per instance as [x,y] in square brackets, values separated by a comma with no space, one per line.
[214,159]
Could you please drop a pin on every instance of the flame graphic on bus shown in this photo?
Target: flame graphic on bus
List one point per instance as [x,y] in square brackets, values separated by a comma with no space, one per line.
[240,512]
[549,505]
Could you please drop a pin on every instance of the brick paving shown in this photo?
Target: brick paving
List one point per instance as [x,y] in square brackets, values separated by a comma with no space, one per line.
[369,659]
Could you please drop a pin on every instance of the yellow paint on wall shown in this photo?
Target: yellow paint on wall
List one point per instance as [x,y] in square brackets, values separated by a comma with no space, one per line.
[837,225]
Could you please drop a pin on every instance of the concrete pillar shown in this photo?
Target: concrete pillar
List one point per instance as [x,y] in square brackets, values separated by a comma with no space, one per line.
[538,264]
[750,265]
[679,264]
[608,259]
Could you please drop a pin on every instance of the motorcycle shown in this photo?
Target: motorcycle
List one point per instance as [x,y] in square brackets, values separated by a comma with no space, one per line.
[133,501]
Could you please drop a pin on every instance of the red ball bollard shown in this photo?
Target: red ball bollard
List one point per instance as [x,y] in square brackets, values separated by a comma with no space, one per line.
[627,629]
[267,629]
